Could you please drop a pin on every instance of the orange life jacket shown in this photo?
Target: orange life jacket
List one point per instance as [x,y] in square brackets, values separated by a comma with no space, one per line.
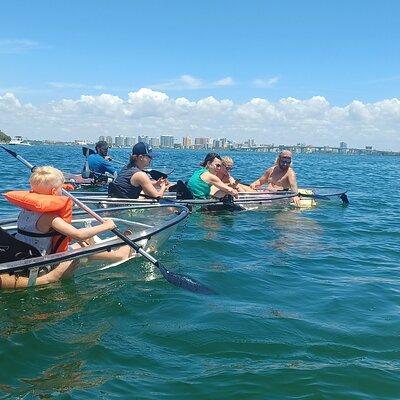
[45,203]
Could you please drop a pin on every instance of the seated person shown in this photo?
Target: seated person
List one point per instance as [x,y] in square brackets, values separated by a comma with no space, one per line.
[204,178]
[132,180]
[280,176]
[99,163]
[227,178]
[51,232]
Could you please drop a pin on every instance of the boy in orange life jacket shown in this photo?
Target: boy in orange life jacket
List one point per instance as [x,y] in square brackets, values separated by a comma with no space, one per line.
[45,210]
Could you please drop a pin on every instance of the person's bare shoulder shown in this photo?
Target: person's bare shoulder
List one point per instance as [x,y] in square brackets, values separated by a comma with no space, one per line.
[269,170]
[140,178]
[291,172]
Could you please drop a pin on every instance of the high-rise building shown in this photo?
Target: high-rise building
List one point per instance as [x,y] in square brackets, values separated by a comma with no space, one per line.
[119,141]
[216,144]
[101,139]
[166,141]
[129,141]
[224,143]
[109,140]
[144,139]
[202,142]
[155,142]
[343,145]
[186,142]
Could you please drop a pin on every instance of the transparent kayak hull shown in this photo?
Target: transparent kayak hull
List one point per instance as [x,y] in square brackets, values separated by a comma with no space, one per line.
[150,227]
[245,201]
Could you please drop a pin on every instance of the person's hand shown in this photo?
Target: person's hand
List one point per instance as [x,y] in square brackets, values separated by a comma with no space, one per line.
[254,185]
[160,181]
[108,158]
[296,201]
[234,192]
[109,224]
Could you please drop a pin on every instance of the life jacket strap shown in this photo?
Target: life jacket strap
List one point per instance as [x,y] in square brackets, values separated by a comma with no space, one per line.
[58,243]
[37,234]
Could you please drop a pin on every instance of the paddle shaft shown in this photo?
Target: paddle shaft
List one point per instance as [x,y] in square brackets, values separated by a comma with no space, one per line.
[96,216]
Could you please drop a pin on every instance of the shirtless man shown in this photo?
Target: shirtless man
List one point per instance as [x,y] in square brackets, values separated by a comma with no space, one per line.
[280,176]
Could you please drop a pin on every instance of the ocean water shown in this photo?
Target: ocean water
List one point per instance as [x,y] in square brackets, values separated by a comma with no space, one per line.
[308,304]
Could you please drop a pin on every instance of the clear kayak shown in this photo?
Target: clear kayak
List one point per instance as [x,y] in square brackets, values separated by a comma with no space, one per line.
[147,225]
[257,200]
[245,201]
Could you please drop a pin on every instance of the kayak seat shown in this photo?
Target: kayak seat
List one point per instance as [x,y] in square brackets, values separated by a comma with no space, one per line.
[182,191]
[12,249]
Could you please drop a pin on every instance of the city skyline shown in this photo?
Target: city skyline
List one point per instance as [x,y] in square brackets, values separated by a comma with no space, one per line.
[259,70]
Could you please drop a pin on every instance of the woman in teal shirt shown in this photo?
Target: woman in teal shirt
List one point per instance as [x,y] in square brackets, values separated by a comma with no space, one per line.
[201,181]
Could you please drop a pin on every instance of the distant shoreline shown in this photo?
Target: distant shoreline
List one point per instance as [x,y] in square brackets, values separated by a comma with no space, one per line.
[255,149]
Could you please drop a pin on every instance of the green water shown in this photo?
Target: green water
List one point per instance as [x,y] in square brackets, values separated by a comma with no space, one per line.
[307,308]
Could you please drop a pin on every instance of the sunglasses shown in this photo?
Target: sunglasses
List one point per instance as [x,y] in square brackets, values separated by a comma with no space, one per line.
[229,168]
[287,159]
[218,165]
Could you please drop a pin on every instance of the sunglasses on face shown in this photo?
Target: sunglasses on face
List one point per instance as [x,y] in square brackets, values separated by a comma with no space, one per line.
[286,159]
[229,168]
[218,165]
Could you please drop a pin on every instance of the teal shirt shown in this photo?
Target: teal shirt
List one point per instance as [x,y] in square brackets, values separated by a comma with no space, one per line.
[199,188]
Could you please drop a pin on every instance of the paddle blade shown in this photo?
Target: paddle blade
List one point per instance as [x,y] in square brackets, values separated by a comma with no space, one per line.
[184,282]
[344,198]
[87,151]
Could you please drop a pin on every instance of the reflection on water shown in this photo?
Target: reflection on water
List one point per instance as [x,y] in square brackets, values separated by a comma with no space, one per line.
[297,232]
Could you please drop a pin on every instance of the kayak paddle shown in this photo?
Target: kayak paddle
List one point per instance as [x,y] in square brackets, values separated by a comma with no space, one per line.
[179,280]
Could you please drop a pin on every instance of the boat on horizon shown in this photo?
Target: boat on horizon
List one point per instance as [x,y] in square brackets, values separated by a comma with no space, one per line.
[19,140]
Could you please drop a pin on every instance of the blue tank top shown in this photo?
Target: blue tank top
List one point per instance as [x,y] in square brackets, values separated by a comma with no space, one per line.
[122,184]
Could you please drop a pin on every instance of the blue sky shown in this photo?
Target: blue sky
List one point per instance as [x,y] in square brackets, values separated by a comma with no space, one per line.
[342,50]
[236,50]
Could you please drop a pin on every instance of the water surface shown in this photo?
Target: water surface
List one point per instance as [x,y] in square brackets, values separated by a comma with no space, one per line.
[307,308]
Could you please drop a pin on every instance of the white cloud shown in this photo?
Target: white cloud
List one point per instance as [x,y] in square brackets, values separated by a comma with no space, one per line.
[266,82]
[71,85]
[228,81]
[147,111]
[18,46]
[181,83]
[185,82]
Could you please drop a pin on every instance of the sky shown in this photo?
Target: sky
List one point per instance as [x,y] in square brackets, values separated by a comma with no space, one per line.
[282,72]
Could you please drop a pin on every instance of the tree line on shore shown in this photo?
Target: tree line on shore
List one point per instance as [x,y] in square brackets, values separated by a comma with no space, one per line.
[4,137]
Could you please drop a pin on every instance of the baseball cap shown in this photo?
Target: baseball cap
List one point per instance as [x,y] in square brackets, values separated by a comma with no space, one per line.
[143,149]
[101,144]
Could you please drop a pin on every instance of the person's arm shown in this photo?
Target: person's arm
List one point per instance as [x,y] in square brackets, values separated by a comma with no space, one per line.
[214,180]
[58,224]
[108,167]
[293,186]
[292,181]
[142,179]
[264,178]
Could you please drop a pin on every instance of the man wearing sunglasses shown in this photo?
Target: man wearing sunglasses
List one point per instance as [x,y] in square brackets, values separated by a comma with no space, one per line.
[280,176]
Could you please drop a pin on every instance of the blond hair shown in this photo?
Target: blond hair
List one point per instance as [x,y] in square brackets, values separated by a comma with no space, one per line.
[281,154]
[227,161]
[45,178]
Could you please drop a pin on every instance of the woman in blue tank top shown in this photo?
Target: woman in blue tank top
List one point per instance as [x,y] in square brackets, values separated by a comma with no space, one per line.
[204,178]
[131,180]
